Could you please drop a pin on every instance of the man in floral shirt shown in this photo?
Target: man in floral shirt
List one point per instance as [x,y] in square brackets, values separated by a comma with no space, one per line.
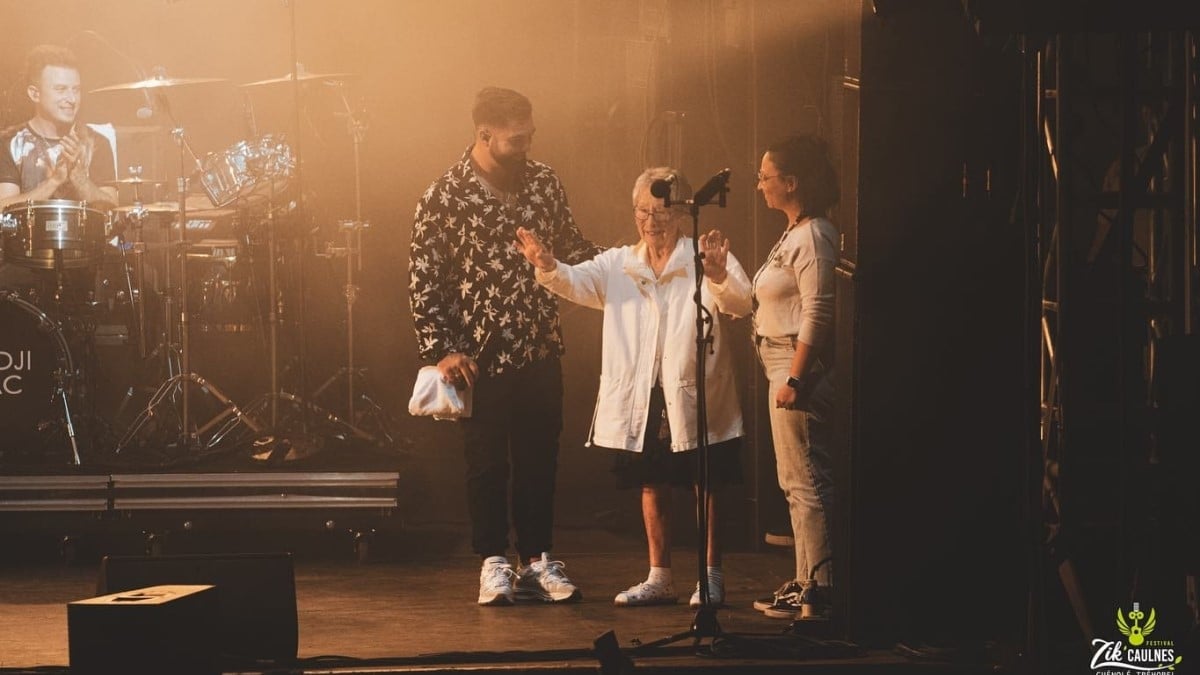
[481,316]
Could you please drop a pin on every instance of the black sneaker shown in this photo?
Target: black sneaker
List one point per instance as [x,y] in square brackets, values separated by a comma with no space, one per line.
[788,595]
[814,603]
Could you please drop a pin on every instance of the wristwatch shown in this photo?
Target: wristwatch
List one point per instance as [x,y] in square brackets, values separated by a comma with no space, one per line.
[794,382]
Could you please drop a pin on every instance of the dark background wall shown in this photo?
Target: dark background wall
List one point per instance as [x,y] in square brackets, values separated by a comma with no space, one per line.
[937,470]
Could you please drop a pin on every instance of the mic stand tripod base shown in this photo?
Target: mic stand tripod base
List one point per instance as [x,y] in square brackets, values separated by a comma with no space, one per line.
[704,625]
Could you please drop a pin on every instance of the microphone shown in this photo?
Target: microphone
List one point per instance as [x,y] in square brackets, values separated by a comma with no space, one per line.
[661,188]
[715,186]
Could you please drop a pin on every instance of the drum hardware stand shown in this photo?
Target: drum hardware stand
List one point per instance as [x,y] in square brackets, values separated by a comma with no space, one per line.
[137,293]
[138,246]
[352,230]
[60,377]
[60,392]
[352,252]
[276,446]
[188,438]
[301,443]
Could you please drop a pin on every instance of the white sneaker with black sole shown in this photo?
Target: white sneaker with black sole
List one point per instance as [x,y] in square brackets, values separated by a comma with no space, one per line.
[496,581]
[544,580]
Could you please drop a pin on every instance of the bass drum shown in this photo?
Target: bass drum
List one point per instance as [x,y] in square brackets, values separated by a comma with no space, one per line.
[34,357]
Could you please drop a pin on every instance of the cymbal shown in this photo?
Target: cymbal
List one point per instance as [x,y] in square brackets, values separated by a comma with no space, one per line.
[304,77]
[159,83]
[134,181]
[148,207]
[196,207]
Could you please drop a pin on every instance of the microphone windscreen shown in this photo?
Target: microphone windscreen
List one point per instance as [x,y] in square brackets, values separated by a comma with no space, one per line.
[661,188]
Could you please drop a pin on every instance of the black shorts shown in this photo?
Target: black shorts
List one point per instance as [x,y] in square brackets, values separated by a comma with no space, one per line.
[657,465]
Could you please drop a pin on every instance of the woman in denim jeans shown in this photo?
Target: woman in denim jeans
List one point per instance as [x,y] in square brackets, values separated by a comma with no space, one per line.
[793,324]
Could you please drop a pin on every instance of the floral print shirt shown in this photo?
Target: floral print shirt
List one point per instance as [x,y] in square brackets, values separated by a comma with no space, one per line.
[468,281]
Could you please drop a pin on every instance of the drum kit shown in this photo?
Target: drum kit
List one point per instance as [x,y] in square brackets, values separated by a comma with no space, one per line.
[129,285]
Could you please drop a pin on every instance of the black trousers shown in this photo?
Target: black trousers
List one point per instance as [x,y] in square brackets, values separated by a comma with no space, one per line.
[511,440]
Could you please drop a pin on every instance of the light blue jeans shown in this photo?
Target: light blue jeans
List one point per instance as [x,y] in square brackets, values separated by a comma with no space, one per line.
[802,439]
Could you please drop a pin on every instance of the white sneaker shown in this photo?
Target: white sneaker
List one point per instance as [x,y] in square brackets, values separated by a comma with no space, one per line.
[545,580]
[496,581]
[716,593]
[646,593]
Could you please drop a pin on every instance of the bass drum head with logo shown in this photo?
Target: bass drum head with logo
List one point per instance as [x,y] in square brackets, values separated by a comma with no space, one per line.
[32,349]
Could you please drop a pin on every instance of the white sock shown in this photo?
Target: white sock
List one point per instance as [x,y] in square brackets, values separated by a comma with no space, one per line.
[660,576]
[715,575]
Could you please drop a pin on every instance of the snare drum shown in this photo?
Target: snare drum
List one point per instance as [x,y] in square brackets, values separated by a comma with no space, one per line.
[36,233]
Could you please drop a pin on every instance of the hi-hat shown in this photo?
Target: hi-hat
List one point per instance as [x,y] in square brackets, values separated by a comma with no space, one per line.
[197,205]
[303,77]
[159,83]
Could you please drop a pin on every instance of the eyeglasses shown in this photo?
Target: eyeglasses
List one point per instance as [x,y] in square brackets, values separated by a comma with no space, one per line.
[762,178]
[661,216]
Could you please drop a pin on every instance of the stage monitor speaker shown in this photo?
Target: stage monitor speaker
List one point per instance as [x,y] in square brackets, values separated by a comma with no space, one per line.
[256,595]
[159,629]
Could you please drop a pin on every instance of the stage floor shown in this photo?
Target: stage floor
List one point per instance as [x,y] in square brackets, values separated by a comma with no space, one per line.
[411,607]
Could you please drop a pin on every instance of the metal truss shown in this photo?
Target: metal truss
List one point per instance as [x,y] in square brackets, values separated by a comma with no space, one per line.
[1111,184]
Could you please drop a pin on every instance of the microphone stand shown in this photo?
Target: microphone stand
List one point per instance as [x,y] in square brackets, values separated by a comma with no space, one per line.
[704,624]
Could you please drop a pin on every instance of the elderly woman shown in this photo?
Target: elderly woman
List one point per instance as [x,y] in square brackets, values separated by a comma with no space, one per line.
[647,402]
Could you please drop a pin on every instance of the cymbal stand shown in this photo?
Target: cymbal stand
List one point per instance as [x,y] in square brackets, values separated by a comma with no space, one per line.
[188,437]
[135,284]
[276,444]
[352,231]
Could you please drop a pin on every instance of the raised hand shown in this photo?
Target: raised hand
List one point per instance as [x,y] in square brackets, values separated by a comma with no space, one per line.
[534,251]
[715,248]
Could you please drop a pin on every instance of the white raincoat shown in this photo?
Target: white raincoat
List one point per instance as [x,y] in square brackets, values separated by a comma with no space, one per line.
[636,307]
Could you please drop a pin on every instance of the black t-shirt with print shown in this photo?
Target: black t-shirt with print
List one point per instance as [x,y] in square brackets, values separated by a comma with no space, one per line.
[26,158]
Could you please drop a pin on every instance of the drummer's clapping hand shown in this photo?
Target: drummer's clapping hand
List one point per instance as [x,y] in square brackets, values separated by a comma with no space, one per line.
[68,158]
[83,157]
[715,248]
[534,251]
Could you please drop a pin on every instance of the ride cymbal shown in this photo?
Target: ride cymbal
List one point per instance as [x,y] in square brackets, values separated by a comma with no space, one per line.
[303,77]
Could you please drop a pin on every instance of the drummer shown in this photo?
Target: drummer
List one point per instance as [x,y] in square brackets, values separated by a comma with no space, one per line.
[51,156]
